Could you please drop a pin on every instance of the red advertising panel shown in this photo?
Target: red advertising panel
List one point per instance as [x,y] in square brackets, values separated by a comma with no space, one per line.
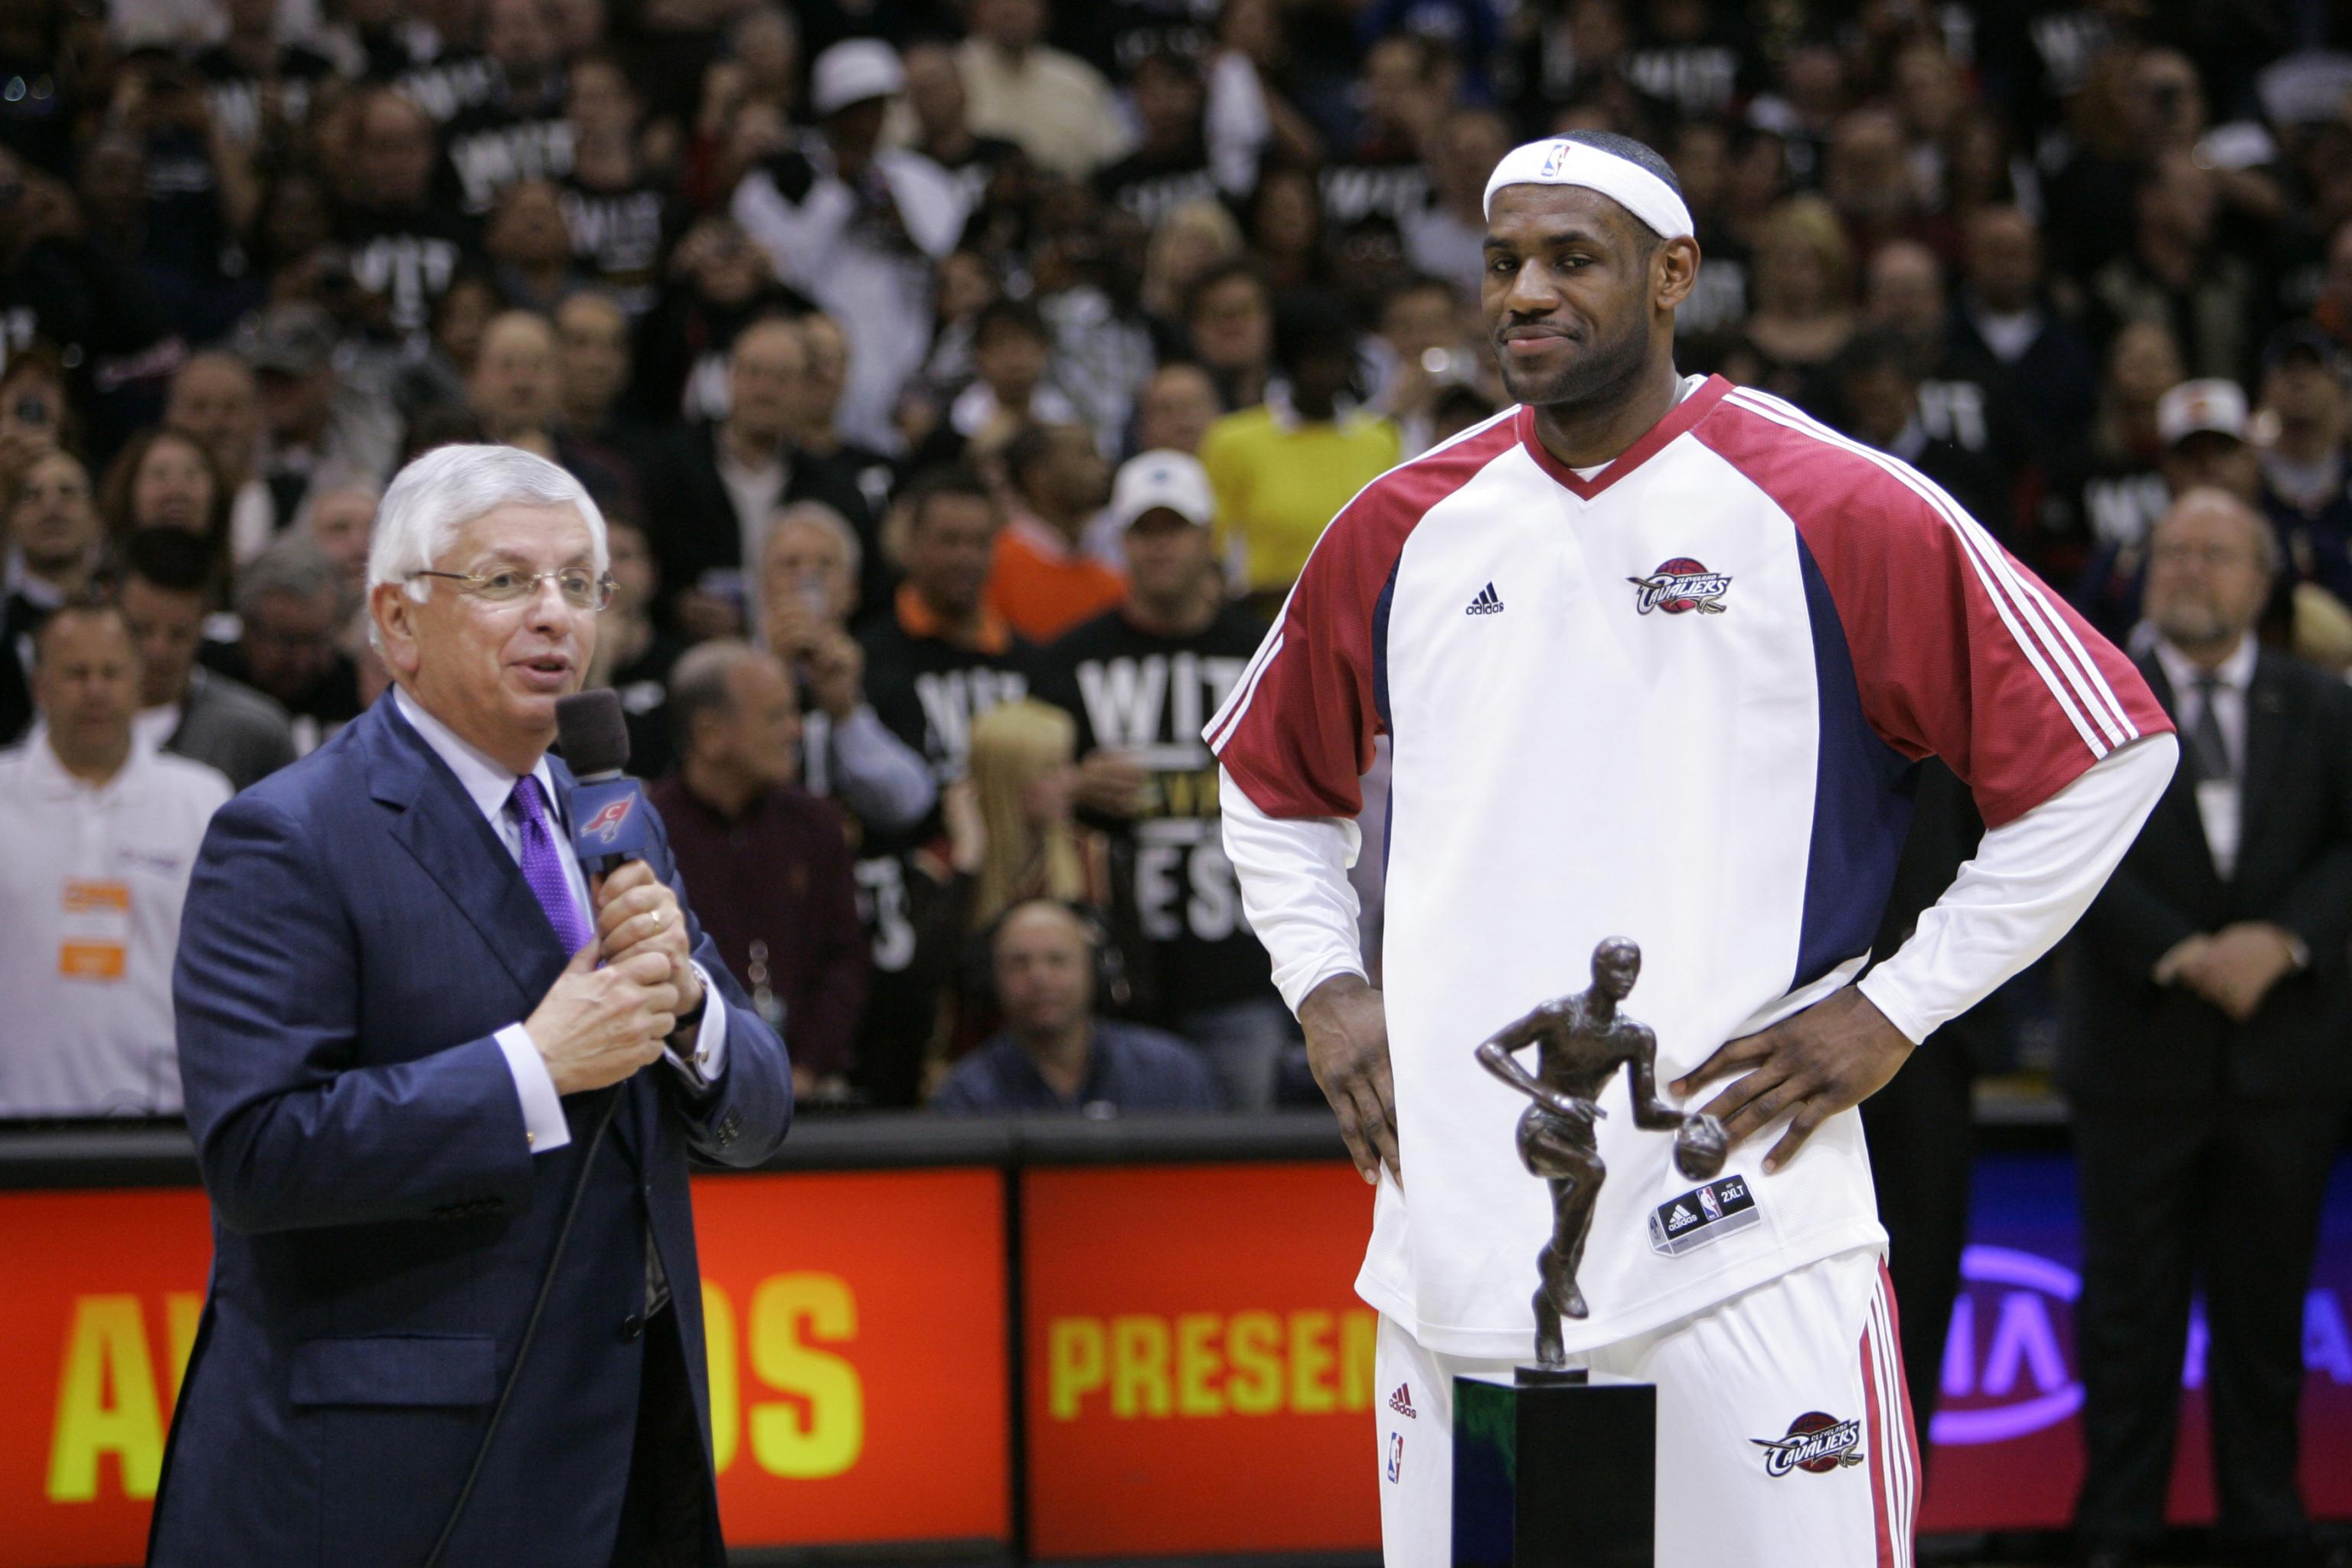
[860,1385]
[103,1294]
[1199,1370]
[859,1377]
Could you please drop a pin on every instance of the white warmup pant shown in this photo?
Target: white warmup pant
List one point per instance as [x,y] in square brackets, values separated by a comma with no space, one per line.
[1740,1386]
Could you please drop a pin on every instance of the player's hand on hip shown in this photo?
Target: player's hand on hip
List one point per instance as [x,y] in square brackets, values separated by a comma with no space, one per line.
[1807,1067]
[1347,1047]
[596,1026]
[638,913]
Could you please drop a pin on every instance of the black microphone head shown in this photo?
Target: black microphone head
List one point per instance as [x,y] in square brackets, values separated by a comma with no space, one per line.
[589,727]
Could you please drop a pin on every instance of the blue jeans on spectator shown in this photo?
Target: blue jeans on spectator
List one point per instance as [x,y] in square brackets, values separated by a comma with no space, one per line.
[1244,1042]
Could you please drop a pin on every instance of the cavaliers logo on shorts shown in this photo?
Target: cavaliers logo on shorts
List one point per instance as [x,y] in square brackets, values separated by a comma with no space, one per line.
[1679,587]
[1816,1442]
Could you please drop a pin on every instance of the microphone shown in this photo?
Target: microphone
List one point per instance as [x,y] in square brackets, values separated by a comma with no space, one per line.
[608,808]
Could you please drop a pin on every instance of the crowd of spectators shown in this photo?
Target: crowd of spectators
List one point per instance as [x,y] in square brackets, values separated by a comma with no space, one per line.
[965,383]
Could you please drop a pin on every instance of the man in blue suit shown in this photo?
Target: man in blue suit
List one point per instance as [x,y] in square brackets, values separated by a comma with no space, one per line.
[405,1017]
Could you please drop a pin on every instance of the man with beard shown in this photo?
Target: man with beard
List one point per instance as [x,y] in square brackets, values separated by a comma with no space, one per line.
[1658,657]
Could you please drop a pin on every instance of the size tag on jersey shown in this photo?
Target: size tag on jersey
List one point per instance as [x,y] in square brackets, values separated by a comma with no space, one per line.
[1703,1214]
[94,930]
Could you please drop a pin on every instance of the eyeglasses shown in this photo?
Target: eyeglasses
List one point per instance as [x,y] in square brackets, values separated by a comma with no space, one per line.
[580,588]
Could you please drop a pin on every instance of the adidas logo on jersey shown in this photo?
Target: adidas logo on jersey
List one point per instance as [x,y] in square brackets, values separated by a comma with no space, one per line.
[1401,1402]
[1680,1218]
[1488,603]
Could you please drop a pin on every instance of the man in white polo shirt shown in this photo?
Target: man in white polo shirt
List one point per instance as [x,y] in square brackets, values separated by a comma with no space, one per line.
[1657,657]
[97,834]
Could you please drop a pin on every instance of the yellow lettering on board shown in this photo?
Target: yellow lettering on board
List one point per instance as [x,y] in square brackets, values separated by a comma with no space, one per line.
[1253,1341]
[827,1438]
[1310,1363]
[1199,1365]
[106,1403]
[1075,1364]
[1139,1365]
[720,1349]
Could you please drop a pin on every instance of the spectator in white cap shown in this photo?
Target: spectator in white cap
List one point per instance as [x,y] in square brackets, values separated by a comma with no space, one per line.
[2203,426]
[1140,679]
[857,227]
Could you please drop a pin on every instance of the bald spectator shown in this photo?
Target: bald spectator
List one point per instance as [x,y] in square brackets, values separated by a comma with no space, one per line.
[1051,104]
[1054,1054]
[2204,1054]
[593,364]
[720,482]
[340,521]
[98,836]
[808,588]
[183,707]
[513,386]
[290,610]
[215,399]
[769,866]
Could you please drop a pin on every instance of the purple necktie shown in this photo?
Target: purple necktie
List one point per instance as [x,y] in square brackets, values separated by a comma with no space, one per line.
[543,866]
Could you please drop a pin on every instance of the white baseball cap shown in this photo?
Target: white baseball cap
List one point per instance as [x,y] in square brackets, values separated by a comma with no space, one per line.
[851,72]
[1154,480]
[2212,406]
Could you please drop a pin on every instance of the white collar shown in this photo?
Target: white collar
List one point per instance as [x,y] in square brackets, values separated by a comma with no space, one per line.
[2235,673]
[489,783]
[47,778]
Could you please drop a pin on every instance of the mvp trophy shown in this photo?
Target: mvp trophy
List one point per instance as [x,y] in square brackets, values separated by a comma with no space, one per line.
[1554,1469]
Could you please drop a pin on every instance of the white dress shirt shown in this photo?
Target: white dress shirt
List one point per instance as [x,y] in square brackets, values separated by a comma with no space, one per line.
[489,785]
[92,877]
[2219,804]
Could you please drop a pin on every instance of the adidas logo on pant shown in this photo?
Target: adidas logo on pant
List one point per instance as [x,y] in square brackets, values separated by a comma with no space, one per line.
[1488,603]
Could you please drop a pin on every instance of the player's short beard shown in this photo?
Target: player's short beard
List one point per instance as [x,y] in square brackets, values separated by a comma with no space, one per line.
[1605,373]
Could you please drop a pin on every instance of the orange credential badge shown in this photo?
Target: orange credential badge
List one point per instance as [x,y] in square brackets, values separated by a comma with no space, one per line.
[95,930]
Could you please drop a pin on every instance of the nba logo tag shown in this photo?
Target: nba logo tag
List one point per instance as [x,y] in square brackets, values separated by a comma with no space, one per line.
[1555,158]
[1396,1454]
[1706,1201]
[606,823]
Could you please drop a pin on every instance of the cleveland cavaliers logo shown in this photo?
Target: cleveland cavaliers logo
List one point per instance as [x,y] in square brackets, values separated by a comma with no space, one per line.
[1679,585]
[606,823]
[1816,1444]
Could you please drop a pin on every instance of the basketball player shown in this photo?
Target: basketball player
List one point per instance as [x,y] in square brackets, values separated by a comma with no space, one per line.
[1657,657]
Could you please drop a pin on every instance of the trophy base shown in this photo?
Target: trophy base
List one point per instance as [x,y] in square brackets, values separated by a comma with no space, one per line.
[1554,1469]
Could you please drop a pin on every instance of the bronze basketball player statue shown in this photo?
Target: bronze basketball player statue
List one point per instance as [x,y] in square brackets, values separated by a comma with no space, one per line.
[1581,1041]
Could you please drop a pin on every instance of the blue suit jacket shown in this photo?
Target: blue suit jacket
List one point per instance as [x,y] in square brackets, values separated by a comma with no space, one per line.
[354,935]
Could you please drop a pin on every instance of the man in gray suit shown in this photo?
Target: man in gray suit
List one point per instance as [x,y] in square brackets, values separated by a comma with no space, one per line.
[185,709]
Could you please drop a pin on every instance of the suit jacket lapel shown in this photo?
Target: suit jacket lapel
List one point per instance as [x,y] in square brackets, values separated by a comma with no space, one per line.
[2266,738]
[2179,798]
[438,825]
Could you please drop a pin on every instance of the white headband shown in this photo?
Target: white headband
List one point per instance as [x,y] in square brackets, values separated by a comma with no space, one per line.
[1561,162]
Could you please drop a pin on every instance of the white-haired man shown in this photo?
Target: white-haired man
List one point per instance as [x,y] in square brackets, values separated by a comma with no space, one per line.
[408,1027]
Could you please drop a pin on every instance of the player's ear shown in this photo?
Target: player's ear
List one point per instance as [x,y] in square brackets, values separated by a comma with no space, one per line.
[1674,272]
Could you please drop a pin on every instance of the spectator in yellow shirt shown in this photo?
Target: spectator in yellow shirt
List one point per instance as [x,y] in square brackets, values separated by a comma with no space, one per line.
[1283,469]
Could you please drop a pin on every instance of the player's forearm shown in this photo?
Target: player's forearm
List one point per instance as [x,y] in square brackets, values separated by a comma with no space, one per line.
[1293,873]
[2029,882]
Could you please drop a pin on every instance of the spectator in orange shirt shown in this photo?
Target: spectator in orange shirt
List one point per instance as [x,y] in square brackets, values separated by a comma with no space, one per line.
[1042,580]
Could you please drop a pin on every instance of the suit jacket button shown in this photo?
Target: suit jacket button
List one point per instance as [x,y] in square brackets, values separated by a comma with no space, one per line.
[633,1325]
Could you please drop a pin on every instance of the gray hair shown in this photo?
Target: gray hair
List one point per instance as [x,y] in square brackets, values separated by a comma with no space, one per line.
[817,514]
[449,487]
[295,567]
[698,684]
